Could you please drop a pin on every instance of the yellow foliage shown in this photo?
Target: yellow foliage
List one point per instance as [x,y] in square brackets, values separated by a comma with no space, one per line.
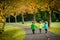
[22,6]
[1,19]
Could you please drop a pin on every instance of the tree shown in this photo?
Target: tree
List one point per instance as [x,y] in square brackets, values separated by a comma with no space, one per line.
[53,5]
[49,5]
[2,12]
[6,6]
[33,8]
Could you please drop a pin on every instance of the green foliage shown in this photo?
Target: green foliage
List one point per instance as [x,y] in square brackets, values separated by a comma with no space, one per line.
[53,17]
[30,17]
[59,18]
[38,16]
[19,18]
[45,16]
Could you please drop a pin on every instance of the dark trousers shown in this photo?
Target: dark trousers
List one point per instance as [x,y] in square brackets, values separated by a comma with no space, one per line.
[33,31]
[40,30]
[45,30]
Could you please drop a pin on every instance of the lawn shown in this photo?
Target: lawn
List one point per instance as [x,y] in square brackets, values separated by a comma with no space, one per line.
[26,23]
[12,33]
[55,28]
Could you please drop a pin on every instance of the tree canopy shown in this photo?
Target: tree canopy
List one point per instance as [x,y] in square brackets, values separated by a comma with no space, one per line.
[30,6]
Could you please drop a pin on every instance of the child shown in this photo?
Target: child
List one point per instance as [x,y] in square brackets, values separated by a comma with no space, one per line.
[33,26]
[40,26]
[46,26]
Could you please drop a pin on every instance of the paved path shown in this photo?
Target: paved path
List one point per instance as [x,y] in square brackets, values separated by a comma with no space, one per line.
[37,35]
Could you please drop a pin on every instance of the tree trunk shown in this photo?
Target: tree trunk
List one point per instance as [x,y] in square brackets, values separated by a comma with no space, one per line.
[49,19]
[9,19]
[3,25]
[15,17]
[22,19]
[15,20]
[34,17]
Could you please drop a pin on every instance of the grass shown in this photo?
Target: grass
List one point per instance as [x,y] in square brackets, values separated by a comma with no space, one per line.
[55,24]
[26,23]
[55,28]
[12,33]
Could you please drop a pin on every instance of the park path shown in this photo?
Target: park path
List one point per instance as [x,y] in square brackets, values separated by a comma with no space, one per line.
[37,35]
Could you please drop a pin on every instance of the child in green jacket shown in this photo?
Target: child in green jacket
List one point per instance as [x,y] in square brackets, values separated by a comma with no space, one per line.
[33,26]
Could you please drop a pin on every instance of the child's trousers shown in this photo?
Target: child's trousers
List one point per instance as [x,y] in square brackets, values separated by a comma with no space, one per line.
[33,31]
[45,30]
[40,30]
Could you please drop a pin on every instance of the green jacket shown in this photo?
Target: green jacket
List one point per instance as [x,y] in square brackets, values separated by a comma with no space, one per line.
[33,26]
